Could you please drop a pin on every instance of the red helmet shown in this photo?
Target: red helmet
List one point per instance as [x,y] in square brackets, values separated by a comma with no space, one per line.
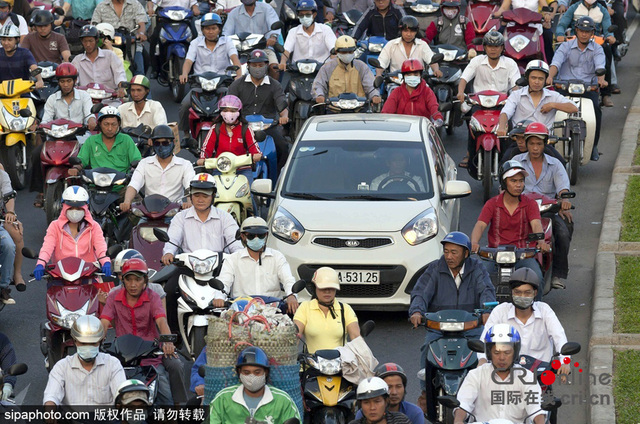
[536,129]
[412,65]
[66,70]
[134,265]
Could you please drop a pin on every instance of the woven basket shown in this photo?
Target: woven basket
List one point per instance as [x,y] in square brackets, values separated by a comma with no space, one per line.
[287,378]
[216,379]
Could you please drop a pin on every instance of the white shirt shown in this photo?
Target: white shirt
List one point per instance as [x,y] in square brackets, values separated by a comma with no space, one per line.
[170,182]
[22,27]
[316,46]
[152,114]
[527,4]
[244,276]
[501,78]
[70,384]
[185,4]
[475,394]
[394,53]
[458,278]
[538,335]
[227,4]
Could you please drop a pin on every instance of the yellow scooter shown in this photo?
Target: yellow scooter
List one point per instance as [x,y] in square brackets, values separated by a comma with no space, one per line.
[233,193]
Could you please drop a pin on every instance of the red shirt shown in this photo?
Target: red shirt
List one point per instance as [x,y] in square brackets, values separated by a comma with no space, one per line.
[506,228]
[231,144]
[421,102]
[139,320]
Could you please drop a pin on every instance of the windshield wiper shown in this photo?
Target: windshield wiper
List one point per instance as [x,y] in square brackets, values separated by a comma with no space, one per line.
[365,197]
[309,196]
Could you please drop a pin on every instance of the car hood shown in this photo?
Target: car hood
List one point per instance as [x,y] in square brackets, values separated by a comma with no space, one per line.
[352,215]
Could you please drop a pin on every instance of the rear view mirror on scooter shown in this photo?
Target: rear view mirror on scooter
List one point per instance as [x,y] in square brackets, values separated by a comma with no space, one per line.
[214,283]
[568,195]
[445,107]
[298,286]
[377,82]
[74,160]
[25,113]
[600,72]
[373,61]
[17,369]
[202,371]
[96,108]
[367,328]
[276,25]
[522,82]
[535,237]
[168,338]
[570,348]
[436,58]
[113,251]
[450,402]
[29,253]
[161,235]
[36,72]
[476,345]
[260,136]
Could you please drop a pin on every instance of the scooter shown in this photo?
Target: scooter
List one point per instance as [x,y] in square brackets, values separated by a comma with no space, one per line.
[425,12]
[444,87]
[9,406]
[523,38]
[140,135]
[125,40]
[299,92]
[268,167]
[370,47]
[480,13]
[71,30]
[40,95]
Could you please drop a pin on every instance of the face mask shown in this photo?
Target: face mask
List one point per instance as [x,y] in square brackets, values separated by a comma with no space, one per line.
[230,117]
[522,302]
[87,353]
[412,80]
[256,244]
[258,72]
[75,215]
[346,58]
[306,21]
[450,13]
[163,152]
[253,383]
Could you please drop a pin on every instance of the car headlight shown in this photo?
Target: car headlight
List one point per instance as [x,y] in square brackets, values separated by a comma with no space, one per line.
[348,103]
[289,12]
[449,55]
[519,42]
[16,123]
[286,228]
[103,180]
[176,15]
[223,164]
[421,228]
[475,125]
[424,8]
[576,88]
[506,257]
[307,68]
[47,72]
[203,266]
[147,233]
[67,317]
[98,94]
[376,48]
[209,84]
[488,101]
[242,191]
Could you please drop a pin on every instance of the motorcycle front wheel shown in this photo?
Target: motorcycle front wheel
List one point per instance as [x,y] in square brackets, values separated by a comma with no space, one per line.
[487,180]
[53,200]
[177,89]
[13,158]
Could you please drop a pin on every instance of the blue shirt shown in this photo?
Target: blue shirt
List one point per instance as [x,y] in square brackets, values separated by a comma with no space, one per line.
[196,380]
[16,66]
[575,64]
[597,12]
[82,9]
[413,412]
[553,178]
[205,60]
[260,22]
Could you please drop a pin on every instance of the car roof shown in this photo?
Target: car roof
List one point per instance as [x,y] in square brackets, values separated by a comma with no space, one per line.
[364,126]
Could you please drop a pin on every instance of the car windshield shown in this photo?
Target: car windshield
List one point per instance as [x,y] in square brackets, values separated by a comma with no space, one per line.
[358,170]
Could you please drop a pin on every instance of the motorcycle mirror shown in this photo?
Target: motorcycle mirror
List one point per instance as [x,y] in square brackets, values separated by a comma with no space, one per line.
[568,195]
[113,251]
[551,404]
[276,25]
[25,113]
[168,338]
[333,51]
[192,143]
[448,401]
[260,136]
[477,41]
[522,82]
[201,371]
[232,68]
[59,11]
[278,48]
[436,58]
[612,28]
[373,61]
[214,283]
[445,107]
[535,236]
[17,369]
[29,253]
[292,421]
[11,195]
[74,160]
[238,234]
[96,108]
[570,348]
[161,235]
[377,82]
[600,72]
[546,9]
[36,72]
[298,286]
[476,345]
[134,164]
[367,328]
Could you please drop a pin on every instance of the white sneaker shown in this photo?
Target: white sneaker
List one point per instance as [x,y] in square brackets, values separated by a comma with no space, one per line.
[5,297]
[556,283]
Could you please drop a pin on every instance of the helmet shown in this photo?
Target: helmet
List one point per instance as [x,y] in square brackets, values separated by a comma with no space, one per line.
[502,333]
[536,65]
[409,22]
[524,276]
[5,3]
[66,70]
[162,131]
[493,38]
[75,196]
[89,31]
[254,225]
[412,65]
[124,256]
[585,23]
[230,101]
[131,390]
[106,30]
[258,56]
[509,169]
[372,387]
[136,265]
[141,80]
[41,18]
[519,128]
[456,237]
[210,19]
[385,370]
[345,44]
[87,329]
[450,3]
[253,356]
[536,129]
[109,111]
[306,5]
[10,31]
[203,183]
[326,278]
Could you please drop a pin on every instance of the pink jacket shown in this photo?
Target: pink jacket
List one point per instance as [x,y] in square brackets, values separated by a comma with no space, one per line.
[59,244]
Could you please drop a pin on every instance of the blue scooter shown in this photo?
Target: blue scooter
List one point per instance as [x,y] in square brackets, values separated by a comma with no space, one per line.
[370,47]
[267,168]
[175,36]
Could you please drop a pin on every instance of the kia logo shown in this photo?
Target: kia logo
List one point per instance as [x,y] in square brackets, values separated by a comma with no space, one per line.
[352,243]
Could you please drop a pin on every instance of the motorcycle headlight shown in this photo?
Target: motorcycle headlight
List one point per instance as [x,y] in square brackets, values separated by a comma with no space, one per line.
[223,164]
[286,228]
[147,233]
[242,191]
[424,8]
[209,84]
[47,72]
[203,266]
[358,52]
[488,101]
[576,88]
[376,48]
[348,103]
[397,79]
[103,180]
[544,208]
[307,68]
[519,42]
[506,257]
[172,212]
[98,94]
[289,12]
[475,125]
[67,318]
[177,15]
[452,326]
[16,123]
[59,131]
[117,40]
[137,212]
[329,366]
[259,125]
[421,228]
[449,55]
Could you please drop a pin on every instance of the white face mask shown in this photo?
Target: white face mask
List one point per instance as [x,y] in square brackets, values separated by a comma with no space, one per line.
[75,215]
[253,383]
[412,80]
[346,58]
[449,12]
[590,2]
[306,21]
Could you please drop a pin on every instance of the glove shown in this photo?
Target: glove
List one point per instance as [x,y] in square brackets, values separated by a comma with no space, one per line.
[106,269]
[38,272]
[7,390]
[438,123]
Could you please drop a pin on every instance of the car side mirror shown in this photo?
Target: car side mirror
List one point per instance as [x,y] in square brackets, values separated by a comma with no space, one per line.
[367,328]
[436,58]
[25,113]
[445,107]
[214,283]
[455,189]
[570,348]
[298,286]
[475,345]
[373,61]
[161,234]
[263,187]
[260,136]
[29,253]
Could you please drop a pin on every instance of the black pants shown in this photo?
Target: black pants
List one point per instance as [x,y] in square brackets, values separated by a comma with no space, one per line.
[171,289]
[547,37]
[37,177]
[562,233]
[606,91]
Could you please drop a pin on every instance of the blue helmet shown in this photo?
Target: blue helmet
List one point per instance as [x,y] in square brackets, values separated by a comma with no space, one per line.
[253,356]
[210,19]
[306,5]
[456,237]
[502,334]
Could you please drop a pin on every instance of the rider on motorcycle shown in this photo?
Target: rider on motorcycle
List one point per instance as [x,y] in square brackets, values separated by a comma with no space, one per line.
[141,110]
[10,247]
[502,347]
[134,397]
[373,399]
[106,37]
[7,17]
[519,145]
[341,6]
[45,44]
[15,62]
[88,377]
[383,20]
[7,359]
[452,27]
[73,234]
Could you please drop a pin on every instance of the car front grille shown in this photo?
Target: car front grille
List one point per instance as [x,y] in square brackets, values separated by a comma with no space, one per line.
[352,243]
[362,290]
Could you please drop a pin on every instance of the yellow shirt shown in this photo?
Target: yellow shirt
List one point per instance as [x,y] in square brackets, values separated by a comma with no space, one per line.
[320,331]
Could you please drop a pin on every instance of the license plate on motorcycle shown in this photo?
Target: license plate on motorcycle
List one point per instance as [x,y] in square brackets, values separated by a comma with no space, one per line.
[358,276]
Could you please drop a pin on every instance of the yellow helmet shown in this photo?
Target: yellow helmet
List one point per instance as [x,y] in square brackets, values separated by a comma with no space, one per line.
[346,44]
[4,3]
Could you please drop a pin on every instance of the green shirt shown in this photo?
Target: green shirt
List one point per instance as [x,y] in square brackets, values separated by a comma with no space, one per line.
[94,153]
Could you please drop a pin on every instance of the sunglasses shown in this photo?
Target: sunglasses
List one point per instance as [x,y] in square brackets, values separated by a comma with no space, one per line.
[163,143]
[252,236]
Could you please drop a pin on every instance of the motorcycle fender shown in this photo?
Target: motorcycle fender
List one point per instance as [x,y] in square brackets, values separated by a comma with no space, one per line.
[443,93]
[56,173]
[329,389]
[176,49]
[302,109]
[446,353]
[487,142]
[14,138]
[451,381]
[200,321]
[231,208]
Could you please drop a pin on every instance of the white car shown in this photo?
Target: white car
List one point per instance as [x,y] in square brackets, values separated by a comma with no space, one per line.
[370,195]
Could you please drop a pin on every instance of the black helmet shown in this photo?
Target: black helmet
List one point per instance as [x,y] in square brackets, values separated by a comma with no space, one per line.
[162,131]
[524,276]
[41,18]
[493,38]
[585,23]
[390,368]
[450,3]
[409,22]
[89,31]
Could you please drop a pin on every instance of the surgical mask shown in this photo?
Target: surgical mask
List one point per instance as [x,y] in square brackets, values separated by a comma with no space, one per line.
[253,383]
[306,21]
[256,244]
[258,72]
[522,302]
[412,80]
[346,58]
[88,353]
[230,117]
[450,13]
[75,215]
[163,152]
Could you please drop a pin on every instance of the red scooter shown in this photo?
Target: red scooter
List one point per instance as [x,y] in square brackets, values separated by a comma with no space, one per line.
[480,13]
[101,94]
[523,36]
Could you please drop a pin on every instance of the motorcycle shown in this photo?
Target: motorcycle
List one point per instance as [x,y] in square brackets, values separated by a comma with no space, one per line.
[233,192]
[369,48]
[9,406]
[523,36]
[101,94]
[40,95]
[444,87]
[268,167]
[140,135]
[299,92]
[480,13]
[425,11]
[125,40]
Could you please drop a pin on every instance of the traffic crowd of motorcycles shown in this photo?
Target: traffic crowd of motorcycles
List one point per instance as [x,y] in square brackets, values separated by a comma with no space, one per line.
[139,229]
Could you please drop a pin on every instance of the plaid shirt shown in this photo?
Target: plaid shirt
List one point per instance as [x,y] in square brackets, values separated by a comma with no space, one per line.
[132,13]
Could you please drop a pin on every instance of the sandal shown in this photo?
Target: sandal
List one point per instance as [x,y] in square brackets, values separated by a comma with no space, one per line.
[39,202]
[465,162]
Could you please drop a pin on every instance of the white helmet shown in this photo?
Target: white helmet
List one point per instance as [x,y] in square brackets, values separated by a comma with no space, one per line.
[372,387]
[10,31]
[326,278]
[537,65]
[75,196]
[123,257]
[107,30]
[87,329]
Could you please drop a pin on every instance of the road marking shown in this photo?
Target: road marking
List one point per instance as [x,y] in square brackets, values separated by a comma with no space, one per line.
[632,28]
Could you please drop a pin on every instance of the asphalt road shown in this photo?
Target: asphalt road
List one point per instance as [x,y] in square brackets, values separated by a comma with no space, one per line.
[392,340]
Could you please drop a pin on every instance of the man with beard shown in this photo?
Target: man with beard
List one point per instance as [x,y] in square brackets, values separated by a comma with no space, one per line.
[141,110]
[45,44]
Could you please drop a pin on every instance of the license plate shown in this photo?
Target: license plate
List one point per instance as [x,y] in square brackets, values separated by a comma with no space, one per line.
[352,276]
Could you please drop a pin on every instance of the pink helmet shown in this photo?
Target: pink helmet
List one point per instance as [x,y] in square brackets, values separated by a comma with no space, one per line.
[230,101]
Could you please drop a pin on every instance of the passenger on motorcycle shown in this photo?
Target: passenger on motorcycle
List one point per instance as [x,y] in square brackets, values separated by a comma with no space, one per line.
[547,176]
[96,65]
[134,397]
[262,95]
[534,102]
[452,27]
[15,62]
[396,380]
[455,281]
[88,377]
[511,216]
[252,399]
[579,59]
[73,234]
[309,40]
[163,173]
[491,71]
[540,330]
[7,18]
[502,347]
[413,97]
[141,110]
[373,399]
[44,43]
[397,162]
[137,310]
[106,37]
[7,359]
[383,20]
[519,145]
[109,148]
[324,321]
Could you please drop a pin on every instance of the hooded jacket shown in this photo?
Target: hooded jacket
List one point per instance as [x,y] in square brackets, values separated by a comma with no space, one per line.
[59,244]
[421,102]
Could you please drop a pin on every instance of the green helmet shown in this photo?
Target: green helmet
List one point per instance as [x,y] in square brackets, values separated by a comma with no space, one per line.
[141,80]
